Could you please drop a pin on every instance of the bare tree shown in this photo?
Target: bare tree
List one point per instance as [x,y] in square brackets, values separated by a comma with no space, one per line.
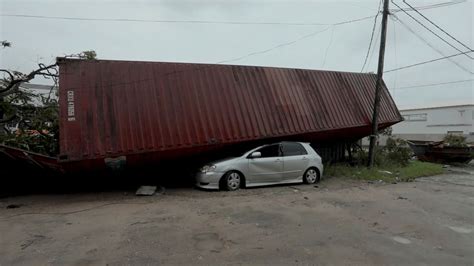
[29,120]
[25,123]
[11,82]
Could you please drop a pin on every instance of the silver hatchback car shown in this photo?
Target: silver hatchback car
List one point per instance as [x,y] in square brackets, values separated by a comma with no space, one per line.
[278,163]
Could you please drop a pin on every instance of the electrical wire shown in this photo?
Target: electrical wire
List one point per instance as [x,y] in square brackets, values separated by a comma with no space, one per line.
[377,38]
[435,84]
[441,38]
[445,4]
[371,36]
[185,21]
[396,57]
[205,66]
[351,21]
[275,47]
[426,62]
[438,27]
[429,44]
[327,48]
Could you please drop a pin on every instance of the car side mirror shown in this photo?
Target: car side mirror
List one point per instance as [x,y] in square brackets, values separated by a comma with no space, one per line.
[255,154]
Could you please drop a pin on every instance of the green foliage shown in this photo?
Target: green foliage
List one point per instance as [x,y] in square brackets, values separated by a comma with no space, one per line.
[88,55]
[361,157]
[457,141]
[32,126]
[397,152]
[418,169]
[386,132]
[23,122]
[392,164]
[392,173]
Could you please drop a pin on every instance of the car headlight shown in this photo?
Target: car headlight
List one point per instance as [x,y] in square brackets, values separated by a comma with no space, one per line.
[207,168]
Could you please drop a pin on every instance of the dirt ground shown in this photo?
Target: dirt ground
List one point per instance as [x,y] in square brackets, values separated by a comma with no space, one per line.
[426,222]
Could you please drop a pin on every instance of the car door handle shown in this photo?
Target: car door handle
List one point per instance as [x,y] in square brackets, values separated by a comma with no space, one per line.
[278,160]
[305,158]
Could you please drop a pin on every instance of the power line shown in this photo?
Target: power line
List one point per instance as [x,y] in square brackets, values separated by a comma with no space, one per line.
[435,84]
[438,27]
[371,36]
[426,62]
[429,44]
[377,37]
[424,26]
[186,21]
[275,47]
[450,3]
[396,56]
[351,21]
[327,48]
[206,66]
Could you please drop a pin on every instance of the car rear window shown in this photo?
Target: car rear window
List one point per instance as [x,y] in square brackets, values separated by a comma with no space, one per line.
[293,149]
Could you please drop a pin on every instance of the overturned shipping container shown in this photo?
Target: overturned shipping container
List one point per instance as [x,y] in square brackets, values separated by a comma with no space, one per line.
[131,113]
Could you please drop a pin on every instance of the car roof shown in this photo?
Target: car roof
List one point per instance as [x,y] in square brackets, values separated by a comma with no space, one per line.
[294,142]
[281,142]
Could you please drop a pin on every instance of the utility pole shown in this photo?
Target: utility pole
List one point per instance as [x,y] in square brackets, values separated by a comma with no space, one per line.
[378,85]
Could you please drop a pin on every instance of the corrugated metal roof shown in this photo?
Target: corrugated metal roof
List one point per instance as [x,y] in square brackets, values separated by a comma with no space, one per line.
[113,108]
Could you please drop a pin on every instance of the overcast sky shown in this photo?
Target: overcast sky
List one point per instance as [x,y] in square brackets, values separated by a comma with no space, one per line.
[340,48]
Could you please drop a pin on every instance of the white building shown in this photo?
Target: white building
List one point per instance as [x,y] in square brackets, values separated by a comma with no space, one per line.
[39,90]
[433,123]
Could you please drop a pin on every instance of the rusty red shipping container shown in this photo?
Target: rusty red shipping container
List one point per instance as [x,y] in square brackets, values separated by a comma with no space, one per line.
[152,110]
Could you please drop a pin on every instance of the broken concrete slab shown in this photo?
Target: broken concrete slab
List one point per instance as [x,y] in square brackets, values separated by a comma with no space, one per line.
[146,191]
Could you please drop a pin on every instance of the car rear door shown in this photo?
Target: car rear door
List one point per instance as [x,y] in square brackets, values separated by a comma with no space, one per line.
[268,167]
[295,159]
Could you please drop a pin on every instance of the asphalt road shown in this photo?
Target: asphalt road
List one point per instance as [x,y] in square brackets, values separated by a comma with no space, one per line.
[340,222]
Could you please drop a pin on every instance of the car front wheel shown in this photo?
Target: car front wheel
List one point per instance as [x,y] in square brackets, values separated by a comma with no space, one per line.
[232,181]
[311,176]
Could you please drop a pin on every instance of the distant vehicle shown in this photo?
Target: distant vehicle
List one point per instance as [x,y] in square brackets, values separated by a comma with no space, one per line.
[278,163]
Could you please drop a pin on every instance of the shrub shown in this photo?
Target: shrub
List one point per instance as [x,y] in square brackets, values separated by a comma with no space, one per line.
[397,152]
[455,140]
[361,156]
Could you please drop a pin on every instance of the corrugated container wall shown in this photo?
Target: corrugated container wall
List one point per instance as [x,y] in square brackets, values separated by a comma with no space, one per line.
[119,108]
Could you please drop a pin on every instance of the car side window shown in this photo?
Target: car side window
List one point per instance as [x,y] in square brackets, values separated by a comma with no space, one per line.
[270,151]
[293,149]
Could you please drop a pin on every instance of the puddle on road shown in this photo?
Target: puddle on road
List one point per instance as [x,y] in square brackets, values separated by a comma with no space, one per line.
[460,230]
[401,240]
[208,242]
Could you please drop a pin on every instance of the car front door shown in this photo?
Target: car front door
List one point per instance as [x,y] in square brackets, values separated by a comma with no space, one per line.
[295,159]
[268,167]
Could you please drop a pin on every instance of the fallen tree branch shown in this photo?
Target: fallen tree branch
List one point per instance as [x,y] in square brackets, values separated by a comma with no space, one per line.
[14,83]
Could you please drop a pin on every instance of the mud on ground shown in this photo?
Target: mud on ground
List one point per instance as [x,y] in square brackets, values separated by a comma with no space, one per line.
[340,221]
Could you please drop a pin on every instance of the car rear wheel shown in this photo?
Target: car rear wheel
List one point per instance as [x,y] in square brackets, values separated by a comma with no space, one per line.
[232,180]
[311,176]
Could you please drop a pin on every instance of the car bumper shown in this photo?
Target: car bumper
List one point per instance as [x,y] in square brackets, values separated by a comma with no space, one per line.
[209,180]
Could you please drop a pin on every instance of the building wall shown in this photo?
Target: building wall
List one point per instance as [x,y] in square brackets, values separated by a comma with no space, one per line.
[37,89]
[432,124]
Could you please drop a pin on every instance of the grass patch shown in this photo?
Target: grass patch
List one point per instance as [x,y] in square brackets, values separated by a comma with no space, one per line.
[407,173]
